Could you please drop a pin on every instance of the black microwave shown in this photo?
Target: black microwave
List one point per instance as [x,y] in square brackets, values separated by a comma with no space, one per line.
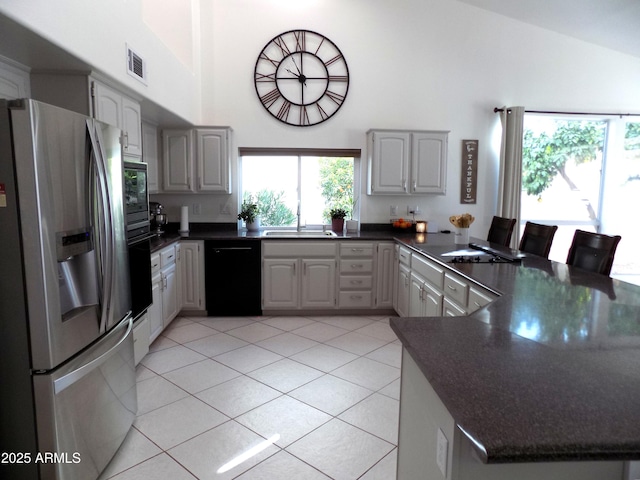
[136,198]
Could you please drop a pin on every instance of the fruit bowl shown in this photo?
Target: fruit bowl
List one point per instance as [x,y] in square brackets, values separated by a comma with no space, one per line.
[402,224]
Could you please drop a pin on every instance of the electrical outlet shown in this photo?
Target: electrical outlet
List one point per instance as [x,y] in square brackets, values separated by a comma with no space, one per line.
[197,209]
[393,210]
[441,453]
[413,209]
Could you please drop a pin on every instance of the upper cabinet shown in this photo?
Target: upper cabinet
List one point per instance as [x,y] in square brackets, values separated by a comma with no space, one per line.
[197,160]
[14,82]
[407,162]
[111,107]
[150,156]
[86,95]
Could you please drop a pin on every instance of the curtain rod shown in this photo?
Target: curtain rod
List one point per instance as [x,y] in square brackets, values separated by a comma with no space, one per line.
[496,110]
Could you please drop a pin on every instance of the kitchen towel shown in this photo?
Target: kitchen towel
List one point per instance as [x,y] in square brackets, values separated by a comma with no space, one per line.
[184,219]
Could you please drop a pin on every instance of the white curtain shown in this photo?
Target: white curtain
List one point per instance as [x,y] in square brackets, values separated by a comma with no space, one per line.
[510,186]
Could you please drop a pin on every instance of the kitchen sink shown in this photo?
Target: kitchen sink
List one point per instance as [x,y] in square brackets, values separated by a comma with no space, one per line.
[301,234]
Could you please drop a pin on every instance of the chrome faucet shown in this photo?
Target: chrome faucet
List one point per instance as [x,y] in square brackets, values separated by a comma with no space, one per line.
[298,214]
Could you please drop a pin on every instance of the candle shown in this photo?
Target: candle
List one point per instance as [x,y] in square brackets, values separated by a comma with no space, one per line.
[421,226]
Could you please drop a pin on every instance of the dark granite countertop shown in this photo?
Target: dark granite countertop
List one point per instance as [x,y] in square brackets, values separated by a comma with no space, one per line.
[550,371]
[228,232]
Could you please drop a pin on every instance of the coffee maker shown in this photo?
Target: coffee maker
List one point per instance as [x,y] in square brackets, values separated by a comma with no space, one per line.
[157,216]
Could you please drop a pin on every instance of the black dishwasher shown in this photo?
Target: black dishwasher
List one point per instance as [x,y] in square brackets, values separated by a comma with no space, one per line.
[233,277]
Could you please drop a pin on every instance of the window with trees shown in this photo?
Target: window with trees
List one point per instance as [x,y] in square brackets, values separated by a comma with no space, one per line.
[299,185]
[582,172]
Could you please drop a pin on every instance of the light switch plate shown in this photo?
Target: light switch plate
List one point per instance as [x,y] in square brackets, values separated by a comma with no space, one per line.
[441,454]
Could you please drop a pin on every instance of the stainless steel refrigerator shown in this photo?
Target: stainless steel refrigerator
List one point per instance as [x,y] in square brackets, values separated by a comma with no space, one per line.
[67,374]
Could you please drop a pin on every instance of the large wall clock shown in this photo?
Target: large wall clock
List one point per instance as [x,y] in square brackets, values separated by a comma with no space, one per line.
[301,78]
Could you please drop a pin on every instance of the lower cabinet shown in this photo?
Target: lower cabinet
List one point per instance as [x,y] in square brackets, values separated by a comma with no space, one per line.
[402,290]
[385,274]
[299,283]
[141,334]
[165,290]
[424,299]
[298,275]
[192,275]
[428,288]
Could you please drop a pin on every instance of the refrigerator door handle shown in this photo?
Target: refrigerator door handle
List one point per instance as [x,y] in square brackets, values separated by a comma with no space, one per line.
[72,377]
[107,236]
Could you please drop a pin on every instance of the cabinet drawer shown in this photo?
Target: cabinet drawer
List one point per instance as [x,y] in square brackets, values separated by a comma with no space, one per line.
[358,282]
[356,265]
[479,298]
[404,256]
[456,289]
[155,263]
[450,309]
[430,271]
[355,299]
[356,249]
[167,256]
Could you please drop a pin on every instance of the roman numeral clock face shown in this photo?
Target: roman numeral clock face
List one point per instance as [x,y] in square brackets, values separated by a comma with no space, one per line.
[301,78]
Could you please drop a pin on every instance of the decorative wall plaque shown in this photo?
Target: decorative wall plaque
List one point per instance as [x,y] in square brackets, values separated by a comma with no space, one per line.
[469,172]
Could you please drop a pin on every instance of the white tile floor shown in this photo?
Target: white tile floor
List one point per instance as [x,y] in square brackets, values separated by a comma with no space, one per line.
[322,390]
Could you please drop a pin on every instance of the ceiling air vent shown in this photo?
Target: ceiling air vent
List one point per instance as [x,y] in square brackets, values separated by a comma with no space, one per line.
[136,66]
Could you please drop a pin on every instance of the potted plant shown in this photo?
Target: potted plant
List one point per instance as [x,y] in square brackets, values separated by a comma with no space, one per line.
[337,219]
[249,212]
[352,224]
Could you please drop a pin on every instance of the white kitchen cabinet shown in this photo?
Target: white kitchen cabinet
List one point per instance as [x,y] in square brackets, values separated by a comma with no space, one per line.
[177,161]
[425,295]
[141,334]
[406,162]
[170,306]
[298,275]
[280,283]
[424,299]
[150,156]
[318,283]
[192,272]
[385,278]
[90,95]
[196,160]
[213,160]
[401,285]
[402,293]
[436,290]
[165,290]
[170,284]
[357,278]
[114,108]
[14,82]
[154,312]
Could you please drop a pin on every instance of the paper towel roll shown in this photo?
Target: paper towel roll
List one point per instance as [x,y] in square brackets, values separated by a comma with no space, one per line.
[184,219]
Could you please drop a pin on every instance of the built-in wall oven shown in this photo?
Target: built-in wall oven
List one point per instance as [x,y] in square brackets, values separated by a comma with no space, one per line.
[136,198]
[138,235]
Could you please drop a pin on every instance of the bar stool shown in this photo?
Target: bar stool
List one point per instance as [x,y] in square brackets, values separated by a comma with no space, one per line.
[593,251]
[537,239]
[501,230]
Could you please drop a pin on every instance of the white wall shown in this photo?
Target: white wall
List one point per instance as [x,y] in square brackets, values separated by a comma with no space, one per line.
[414,64]
[97,31]
[421,64]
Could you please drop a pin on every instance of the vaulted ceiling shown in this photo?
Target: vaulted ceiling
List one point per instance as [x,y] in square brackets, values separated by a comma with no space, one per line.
[613,24]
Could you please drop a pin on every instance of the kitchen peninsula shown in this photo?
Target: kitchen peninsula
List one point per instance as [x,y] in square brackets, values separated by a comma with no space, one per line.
[544,382]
